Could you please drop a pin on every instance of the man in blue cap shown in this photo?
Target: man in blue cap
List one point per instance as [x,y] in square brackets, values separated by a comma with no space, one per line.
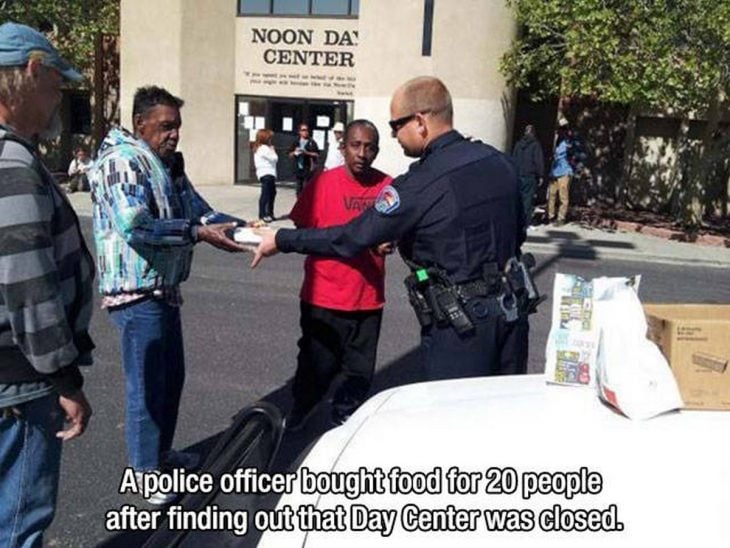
[46,275]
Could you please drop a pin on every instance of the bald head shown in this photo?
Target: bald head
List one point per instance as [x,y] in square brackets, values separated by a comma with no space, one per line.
[424,94]
[420,112]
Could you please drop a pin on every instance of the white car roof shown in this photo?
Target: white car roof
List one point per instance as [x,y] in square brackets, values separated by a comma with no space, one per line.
[668,477]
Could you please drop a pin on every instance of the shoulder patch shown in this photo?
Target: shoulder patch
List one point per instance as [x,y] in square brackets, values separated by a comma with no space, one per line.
[387,201]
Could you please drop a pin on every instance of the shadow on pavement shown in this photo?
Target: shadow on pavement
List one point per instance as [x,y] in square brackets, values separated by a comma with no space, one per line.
[574,246]
[609,243]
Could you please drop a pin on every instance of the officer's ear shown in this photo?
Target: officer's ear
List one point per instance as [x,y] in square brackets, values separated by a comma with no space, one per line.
[422,126]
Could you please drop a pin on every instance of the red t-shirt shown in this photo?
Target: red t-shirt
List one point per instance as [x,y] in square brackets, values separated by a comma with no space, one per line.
[334,198]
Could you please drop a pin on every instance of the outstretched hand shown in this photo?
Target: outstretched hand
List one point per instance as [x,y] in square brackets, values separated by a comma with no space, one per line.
[218,235]
[267,247]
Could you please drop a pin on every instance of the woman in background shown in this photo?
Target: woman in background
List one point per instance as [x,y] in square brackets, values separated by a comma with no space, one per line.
[264,159]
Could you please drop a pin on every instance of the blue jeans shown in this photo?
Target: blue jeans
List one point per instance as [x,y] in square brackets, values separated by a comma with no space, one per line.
[30,458]
[154,367]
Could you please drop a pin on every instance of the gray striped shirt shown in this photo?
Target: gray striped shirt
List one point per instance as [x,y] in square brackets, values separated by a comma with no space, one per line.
[46,272]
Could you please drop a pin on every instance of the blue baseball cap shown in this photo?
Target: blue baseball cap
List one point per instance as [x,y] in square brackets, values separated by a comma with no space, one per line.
[19,42]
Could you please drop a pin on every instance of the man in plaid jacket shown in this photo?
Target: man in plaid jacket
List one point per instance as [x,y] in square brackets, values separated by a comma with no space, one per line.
[147,218]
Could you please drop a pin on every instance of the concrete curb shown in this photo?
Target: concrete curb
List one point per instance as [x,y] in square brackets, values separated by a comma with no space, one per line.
[667,233]
[586,252]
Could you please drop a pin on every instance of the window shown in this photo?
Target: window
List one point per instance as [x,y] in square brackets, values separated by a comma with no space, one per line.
[254,7]
[427,28]
[342,8]
[291,7]
[330,7]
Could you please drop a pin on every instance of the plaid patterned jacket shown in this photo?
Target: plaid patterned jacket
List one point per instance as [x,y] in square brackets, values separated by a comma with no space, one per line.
[143,216]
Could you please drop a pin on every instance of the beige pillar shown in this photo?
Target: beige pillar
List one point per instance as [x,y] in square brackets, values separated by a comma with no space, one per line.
[469,38]
[186,46]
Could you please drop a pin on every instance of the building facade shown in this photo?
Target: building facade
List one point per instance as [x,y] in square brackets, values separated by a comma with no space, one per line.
[249,64]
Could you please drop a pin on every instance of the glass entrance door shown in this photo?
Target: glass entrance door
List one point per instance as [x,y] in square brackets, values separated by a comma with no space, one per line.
[283,117]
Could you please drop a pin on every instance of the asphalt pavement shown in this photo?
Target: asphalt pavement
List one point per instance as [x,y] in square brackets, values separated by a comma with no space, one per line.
[241,328]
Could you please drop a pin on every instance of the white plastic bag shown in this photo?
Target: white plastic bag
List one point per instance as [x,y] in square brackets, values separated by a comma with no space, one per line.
[633,375]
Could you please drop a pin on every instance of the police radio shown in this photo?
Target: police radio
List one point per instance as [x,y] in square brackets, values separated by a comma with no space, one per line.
[434,298]
[454,313]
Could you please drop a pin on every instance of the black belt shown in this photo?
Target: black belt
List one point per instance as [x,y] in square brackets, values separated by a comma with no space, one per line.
[476,288]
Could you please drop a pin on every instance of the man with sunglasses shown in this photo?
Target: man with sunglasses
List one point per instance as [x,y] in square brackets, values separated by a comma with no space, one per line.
[457,217]
[305,153]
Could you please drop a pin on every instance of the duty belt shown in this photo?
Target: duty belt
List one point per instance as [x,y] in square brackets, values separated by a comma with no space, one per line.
[498,301]
[436,299]
[476,288]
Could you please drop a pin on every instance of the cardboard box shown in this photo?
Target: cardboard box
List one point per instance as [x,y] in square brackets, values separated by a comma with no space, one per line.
[695,339]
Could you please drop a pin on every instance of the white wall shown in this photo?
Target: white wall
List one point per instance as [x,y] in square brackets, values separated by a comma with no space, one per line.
[469,38]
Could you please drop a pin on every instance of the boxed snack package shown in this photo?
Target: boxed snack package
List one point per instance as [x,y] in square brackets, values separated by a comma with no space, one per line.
[572,346]
[695,339]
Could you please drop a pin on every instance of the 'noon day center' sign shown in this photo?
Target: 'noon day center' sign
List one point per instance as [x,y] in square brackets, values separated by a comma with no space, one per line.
[283,58]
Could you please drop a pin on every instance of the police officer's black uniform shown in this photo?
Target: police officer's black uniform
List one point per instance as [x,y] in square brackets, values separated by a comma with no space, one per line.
[457,209]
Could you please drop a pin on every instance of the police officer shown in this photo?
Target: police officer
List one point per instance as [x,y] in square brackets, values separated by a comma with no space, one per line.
[456,215]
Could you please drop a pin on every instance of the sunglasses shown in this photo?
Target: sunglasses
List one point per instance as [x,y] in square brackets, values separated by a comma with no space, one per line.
[398,123]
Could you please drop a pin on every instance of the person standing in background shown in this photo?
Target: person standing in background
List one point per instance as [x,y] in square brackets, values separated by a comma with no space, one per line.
[305,153]
[265,159]
[527,155]
[334,153]
[560,175]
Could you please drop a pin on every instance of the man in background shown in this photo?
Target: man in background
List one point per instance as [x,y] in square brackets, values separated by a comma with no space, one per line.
[528,157]
[305,152]
[561,173]
[78,170]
